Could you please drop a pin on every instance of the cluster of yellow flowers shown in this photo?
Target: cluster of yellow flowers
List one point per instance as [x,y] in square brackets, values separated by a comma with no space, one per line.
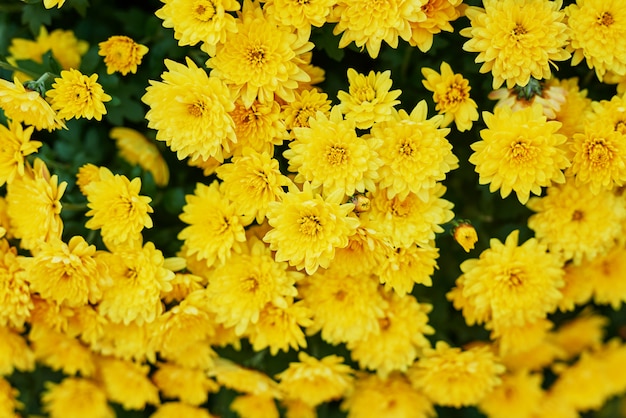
[330,236]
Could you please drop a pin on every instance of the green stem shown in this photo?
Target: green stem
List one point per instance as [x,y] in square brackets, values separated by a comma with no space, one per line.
[5,65]
[75,206]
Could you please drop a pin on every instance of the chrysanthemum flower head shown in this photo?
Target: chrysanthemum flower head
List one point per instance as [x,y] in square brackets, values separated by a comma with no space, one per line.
[401,268]
[207,21]
[584,332]
[65,273]
[244,380]
[550,95]
[415,152]
[75,398]
[439,14]
[465,235]
[519,151]
[513,284]
[451,96]
[14,288]
[450,376]
[369,23]
[518,396]
[251,181]
[34,205]
[306,227]
[215,227]
[258,126]
[402,337]
[62,352]
[27,106]
[127,383]
[315,381]
[121,54]
[117,208]
[135,148]
[16,145]
[598,35]
[305,105]
[517,40]
[576,224]
[330,155]
[189,110]
[366,250]
[75,95]
[260,59]
[392,397]
[299,14]
[191,386]
[180,409]
[576,104]
[15,353]
[255,406]
[369,99]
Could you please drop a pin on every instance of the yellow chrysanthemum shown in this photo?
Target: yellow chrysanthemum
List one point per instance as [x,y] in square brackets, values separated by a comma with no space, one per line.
[121,54]
[368,99]
[451,96]
[598,35]
[519,151]
[117,208]
[518,396]
[85,175]
[14,288]
[8,400]
[315,381]
[182,285]
[439,14]
[306,228]
[512,284]
[251,181]
[409,220]
[450,376]
[65,273]
[345,308]
[576,104]
[75,95]
[393,397]
[15,354]
[585,332]
[299,14]
[189,110]
[191,386]
[366,250]
[369,23]
[240,289]
[401,268]
[330,155]
[66,49]
[415,152]
[60,351]
[180,409]
[34,206]
[598,158]
[551,97]
[132,289]
[465,235]
[137,149]
[401,337]
[258,126]
[244,380]
[27,106]
[305,105]
[16,145]
[280,328]
[604,274]
[517,39]
[515,339]
[575,223]
[126,342]
[127,383]
[260,59]
[215,227]
[49,4]
[76,398]
[254,406]
[196,21]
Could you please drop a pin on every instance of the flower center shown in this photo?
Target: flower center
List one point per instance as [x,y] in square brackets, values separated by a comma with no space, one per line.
[521,151]
[302,117]
[577,216]
[516,277]
[598,152]
[256,55]
[251,284]
[620,127]
[407,148]
[310,225]
[456,93]
[196,109]
[606,19]
[204,10]
[336,155]
[400,208]
[518,31]
[384,323]
[364,94]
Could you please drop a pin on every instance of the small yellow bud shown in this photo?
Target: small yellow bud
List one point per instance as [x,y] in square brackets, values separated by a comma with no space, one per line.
[466,236]
[361,203]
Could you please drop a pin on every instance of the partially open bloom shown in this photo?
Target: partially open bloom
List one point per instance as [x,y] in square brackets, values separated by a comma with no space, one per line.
[75,95]
[260,59]
[517,39]
[117,208]
[466,236]
[258,126]
[314,381]
[369,23]
[439,14]
[306,228]
[330,155]
[598,35]
[451,96]
[137,149]
[121,54]
[16,145]
[191,386]
[519,151]
[401,268]
[189,110]
[127,383]
[27,106]
[305,105]
[450,376]
[299,14]
[76,398]
[369,98]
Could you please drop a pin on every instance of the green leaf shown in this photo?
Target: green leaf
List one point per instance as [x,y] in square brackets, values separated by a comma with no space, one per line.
[36,15]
